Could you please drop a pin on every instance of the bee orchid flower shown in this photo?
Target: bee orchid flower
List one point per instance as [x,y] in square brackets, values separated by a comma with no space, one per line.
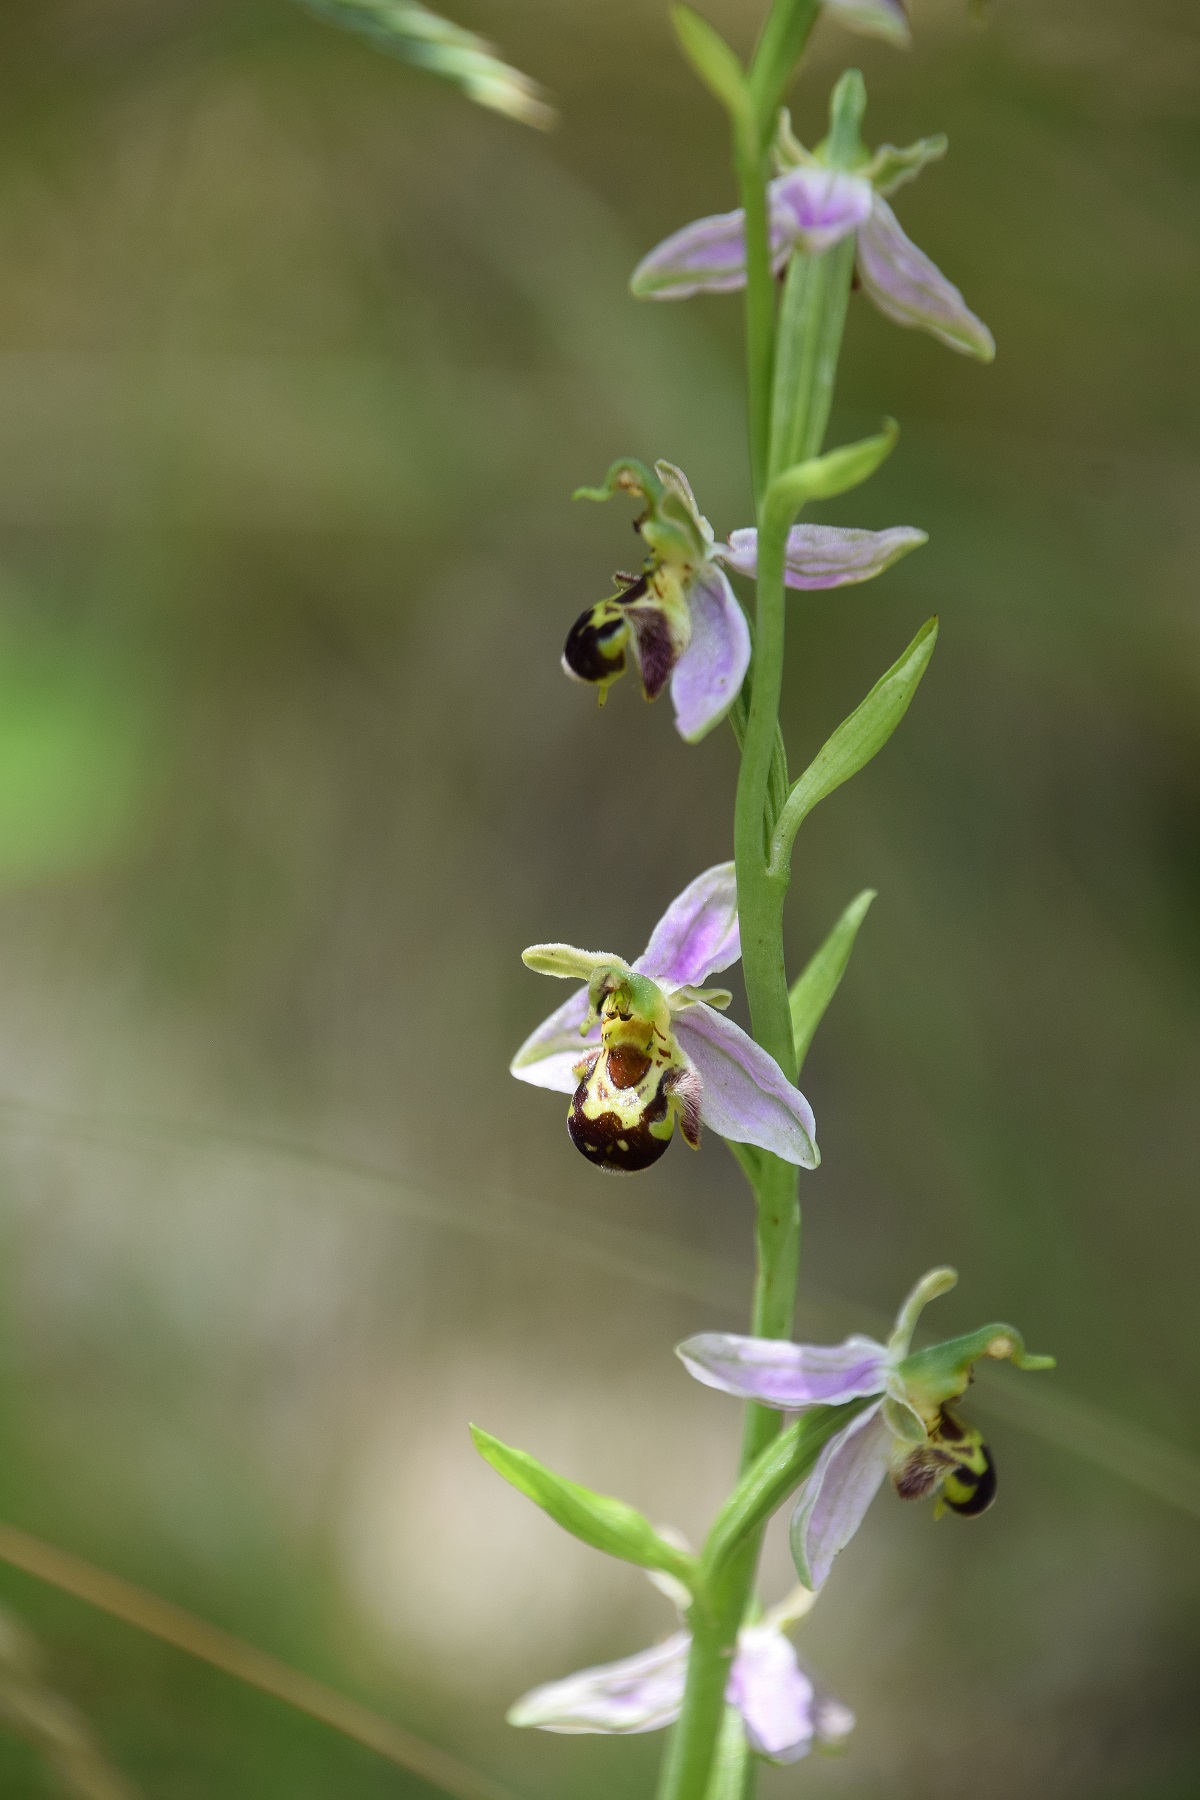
[909,1431]
[644,1046]
[812,207]
[783,1711]
[678,620]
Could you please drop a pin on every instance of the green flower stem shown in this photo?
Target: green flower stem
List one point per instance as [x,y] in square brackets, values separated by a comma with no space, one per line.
[788,412]
[760,306]
[777,1245]
[729,1561]
[688,1768]
[691,1755]
[733,1771]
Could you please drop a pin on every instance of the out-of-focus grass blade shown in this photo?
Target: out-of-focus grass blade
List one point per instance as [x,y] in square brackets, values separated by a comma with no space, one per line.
[647,1259]
[31,1709]
[424,38]
[245,1662]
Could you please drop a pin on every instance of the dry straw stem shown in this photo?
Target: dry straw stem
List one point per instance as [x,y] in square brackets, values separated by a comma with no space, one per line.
[31,1709]
[161,1619]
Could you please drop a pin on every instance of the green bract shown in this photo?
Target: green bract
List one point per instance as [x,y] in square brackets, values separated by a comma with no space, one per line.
[856,740]
[604,1523]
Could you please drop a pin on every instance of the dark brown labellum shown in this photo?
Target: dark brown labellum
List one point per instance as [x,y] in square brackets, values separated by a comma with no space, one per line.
[615,1144]
[627,1066]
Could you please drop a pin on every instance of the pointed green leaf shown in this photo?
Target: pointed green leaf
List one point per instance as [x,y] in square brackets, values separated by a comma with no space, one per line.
[715,63]
[822,477]
[856,740]
[409,30]
[604,1523]
[814,989]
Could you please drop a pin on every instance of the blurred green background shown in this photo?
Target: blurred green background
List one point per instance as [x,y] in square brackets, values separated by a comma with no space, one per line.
[300,358]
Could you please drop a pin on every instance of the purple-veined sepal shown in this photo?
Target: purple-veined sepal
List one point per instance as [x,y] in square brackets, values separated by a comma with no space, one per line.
[911,290]
[788,1376]
[825,556]
[833,1502]
[639,1693]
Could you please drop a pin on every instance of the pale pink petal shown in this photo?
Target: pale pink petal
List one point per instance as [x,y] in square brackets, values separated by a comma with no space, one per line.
[548,1054]
[747,1097]
[832,1722]
[833,1501]
[640,1693]
[826,556]
[789,1376]
[708,676]
[773,1694]
[706,257]
[911,290]
[698,934]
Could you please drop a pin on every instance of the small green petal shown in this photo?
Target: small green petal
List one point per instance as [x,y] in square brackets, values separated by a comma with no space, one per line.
[693,996]
[890,168]
[930,1287]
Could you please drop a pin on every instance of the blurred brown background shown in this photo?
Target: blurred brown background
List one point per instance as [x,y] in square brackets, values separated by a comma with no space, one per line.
[300,359]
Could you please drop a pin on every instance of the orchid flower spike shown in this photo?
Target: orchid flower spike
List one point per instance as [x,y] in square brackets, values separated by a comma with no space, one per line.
[784,1712]
[678,619]
[908,1431]
[656,1050]
[814,205]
